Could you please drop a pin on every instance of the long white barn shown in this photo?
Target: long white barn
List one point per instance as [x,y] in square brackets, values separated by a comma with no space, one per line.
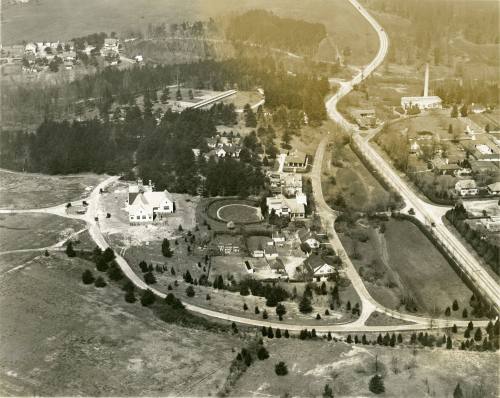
[146,206]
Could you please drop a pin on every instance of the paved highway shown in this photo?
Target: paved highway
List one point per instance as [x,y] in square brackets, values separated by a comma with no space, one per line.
[425,212]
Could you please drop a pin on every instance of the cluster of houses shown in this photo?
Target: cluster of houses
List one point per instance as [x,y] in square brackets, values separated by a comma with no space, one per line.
[469,188]
[147,206]
[224,145]
[270,249]
[36,56]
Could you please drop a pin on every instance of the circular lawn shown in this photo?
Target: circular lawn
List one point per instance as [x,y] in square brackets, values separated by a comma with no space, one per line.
[239,213]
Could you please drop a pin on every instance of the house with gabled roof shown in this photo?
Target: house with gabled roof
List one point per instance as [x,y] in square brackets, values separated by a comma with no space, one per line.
[319,267]
[147,206]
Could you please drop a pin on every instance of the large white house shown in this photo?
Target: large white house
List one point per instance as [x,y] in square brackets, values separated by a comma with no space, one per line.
[466,188]
[147,206]
[288,207]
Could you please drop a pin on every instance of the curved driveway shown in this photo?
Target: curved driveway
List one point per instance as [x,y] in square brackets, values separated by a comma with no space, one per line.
[368,303]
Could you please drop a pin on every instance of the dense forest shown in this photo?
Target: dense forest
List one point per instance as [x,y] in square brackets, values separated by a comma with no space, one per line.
[30,103]
[163,152]
[477,21]
[468,91]
[266,29]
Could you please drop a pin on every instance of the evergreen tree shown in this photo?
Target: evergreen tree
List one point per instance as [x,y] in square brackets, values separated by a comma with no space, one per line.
[376,384]
[455,305]
[278,333]
[305,305]
[286,334]
[245,306]
[270,333]
[454,328]
[464,110]
[262,353]
[454,111]
[147,298]
[165,248]
[457,393]
[327,392]
[257,311]
[130,296]
[70,252]
[264,331]
[114,272]
[281,369]
[108,254]
[264,315]
[349,339]
[87,277]
[101,264]
[100,282]
[448,343]
[280,311]
[149,278]
[478,336]
[447,312]
[465,314]
[190,291]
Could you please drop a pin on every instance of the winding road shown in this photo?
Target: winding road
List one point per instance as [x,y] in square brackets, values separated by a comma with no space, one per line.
[369,305]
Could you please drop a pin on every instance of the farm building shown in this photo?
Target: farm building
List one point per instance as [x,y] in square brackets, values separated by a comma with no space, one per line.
[227,244]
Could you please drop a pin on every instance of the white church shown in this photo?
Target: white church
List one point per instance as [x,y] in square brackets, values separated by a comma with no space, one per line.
[147,206]
[426,101]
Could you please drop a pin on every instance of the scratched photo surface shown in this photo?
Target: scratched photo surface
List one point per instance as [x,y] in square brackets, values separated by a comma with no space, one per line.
[274,198]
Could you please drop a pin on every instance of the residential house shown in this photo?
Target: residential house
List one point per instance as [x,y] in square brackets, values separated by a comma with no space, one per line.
[227,244]
[277,266]
[147,206]
[309,238]
[258,246]
[466,188]
[494,189]
[278,238]
[287,207]
[319,267]
[296,161]
[291,183]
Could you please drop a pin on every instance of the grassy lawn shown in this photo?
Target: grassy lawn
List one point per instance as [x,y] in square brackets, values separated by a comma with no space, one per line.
[34,230]
[402,263]
[79,326]
[344,174]
[423,270]
[25,191]
[239,213]
[348,369]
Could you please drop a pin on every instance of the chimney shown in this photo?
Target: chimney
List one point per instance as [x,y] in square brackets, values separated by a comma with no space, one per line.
[426,82]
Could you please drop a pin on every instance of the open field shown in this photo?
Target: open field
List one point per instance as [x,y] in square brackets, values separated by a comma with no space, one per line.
[345,175]
[79,326]
[348,369]
[34,230]
[55,19]
[402,264]
[26,191]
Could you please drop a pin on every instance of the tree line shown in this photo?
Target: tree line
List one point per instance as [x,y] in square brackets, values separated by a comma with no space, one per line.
[264,28]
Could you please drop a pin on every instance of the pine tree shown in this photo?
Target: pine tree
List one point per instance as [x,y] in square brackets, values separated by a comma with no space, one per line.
[349,339]
[465,314]
[165,248]
[454,328]
[130,296]
[264,315]
[281,369]
[190,291]
[87,277]
[448,343]
[447,312]
[455,305]
[245,307]
[376,384]
[286,334]
[270,333]
[327,392]
[278,333]
[478,336]
[262,353]
[257,311]
[149,278]
[147,298]
[305,305]
[264,331]
[457,393]
[100,282]
[70,252]
[280,311]
[329,336]
[454,111]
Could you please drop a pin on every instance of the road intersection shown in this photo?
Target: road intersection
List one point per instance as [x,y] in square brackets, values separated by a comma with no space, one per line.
[369,305]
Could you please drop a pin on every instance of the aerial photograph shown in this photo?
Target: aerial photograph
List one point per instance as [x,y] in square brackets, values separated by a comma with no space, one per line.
[252,198]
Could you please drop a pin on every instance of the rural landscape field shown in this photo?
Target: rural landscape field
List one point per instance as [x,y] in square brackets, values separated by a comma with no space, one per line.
[247,199]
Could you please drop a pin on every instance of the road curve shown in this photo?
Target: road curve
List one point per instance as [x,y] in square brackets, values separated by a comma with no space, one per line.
[427,213]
